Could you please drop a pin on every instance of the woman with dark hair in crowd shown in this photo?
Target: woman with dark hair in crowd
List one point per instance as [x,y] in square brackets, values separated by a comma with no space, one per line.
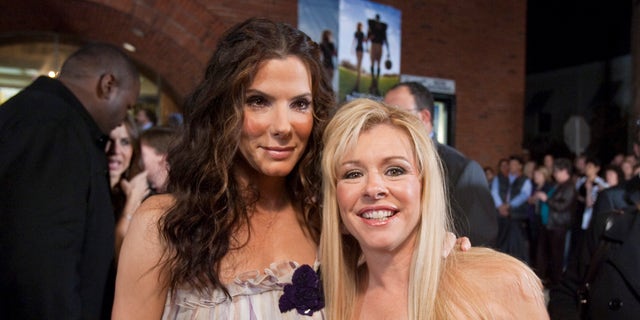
[613,175]
[126,176]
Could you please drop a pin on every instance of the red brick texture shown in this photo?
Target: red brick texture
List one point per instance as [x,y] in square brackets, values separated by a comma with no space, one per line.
[478,43]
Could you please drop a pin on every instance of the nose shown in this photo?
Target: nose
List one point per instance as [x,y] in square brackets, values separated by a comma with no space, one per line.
[375,187]
[281,123]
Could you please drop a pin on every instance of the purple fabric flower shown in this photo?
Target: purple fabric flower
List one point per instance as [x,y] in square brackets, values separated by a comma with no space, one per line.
[304,293]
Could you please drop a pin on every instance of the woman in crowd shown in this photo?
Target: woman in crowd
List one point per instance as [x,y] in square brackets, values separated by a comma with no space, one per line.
[548,161]
[244,183]
[562,207]
[128,181]
[627,170]
[588,188]
[613,175]
[384,221]
[540,210]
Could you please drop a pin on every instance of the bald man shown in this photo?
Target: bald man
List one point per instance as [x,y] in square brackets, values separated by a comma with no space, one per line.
[470,200]
[56,219]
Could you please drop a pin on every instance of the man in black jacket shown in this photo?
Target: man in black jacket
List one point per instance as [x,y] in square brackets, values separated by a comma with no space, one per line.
[473,210]
[56,219]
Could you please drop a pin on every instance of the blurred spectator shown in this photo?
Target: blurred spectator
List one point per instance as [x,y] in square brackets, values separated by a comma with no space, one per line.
[503,167]
[490,174]
[128,181]
[510,195]
[589,186]
[579,164]
[529,166]
[618,159]
[562,207]
[631,159]
[145,118]
[613,175]
[627,170]
[548,162]
[539,213]
[175,120]
[154,145]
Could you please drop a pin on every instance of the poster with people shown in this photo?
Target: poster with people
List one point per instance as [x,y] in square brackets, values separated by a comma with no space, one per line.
[360,42]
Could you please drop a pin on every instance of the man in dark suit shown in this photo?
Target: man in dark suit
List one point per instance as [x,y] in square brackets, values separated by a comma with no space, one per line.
[474,213]
[56,219]
[614,280]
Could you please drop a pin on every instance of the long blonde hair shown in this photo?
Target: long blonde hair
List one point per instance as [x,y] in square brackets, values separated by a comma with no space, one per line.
[339,253]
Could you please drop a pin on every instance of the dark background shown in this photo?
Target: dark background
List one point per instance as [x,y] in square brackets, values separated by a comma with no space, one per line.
[563,33]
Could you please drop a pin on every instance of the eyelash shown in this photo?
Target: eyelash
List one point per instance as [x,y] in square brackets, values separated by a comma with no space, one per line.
[351,174]
[261,102]
[398,171]
[393,171]
[302,104]
[256,101]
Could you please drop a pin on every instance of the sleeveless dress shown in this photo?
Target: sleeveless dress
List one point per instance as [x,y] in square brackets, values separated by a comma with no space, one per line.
[254,294]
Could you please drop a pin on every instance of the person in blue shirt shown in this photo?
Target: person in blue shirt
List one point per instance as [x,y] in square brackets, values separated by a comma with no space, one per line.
[510,194]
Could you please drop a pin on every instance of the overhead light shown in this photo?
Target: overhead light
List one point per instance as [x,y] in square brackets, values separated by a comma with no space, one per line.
[129,47]
[52,74]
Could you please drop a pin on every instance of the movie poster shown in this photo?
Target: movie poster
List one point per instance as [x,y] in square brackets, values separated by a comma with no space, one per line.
[360,43]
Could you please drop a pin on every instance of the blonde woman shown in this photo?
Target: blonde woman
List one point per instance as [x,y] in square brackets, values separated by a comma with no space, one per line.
[384,221]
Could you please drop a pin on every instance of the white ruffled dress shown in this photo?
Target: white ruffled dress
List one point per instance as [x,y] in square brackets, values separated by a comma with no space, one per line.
[254,294]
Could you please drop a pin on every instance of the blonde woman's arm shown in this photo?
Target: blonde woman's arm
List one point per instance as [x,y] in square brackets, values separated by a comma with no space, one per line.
[140,284]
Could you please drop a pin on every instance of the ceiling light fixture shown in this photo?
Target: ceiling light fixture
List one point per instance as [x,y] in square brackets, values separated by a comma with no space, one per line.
[129,47]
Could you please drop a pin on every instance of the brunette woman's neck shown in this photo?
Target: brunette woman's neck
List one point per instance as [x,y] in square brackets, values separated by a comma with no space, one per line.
[272,190]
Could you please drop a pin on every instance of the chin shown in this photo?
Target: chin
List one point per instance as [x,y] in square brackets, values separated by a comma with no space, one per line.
[277,171]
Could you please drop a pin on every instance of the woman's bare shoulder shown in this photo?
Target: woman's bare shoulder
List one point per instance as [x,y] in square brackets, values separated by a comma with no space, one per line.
[482,270]
[141,279]
[157,203]
[491,264]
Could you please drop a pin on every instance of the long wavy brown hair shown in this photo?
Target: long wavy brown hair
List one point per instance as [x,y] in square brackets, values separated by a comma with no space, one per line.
[210,205]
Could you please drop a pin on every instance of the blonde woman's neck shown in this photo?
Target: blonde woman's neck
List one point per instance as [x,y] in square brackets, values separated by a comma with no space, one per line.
[385,287]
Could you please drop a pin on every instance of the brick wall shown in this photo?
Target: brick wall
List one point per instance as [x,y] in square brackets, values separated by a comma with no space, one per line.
[481,45]
[478,43]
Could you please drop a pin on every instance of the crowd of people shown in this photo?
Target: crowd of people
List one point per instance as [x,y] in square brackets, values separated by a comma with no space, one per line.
[546,208]
[270,201]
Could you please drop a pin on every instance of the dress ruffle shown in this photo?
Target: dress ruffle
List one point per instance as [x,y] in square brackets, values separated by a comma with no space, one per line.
[254,295]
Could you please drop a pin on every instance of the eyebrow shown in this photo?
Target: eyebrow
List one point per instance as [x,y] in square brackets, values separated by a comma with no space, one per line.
[385,160]
[270,97]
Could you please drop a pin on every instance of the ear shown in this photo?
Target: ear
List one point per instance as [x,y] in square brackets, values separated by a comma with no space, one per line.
[163,161]
[106,86]
[425,116]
